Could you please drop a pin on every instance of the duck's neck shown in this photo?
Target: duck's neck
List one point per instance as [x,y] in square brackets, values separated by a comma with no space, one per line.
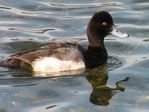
[95,36]
[95,42]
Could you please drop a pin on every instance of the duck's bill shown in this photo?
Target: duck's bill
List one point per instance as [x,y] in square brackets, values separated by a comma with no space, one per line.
[116,32]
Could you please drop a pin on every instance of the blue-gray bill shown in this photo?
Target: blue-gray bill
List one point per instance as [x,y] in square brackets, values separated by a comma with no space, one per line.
[117,33]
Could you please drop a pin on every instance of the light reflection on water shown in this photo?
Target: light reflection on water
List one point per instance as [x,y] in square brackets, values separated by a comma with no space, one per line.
[27,24]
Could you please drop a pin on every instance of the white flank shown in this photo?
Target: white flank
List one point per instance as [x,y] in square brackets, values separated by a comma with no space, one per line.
[51,65]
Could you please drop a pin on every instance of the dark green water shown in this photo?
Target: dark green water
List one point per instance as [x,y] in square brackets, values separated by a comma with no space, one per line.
[25,24]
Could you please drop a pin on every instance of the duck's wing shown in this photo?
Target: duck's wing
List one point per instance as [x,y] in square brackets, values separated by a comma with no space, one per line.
[25,59]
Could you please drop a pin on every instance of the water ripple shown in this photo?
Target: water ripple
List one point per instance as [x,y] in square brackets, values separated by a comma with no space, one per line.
[26,24]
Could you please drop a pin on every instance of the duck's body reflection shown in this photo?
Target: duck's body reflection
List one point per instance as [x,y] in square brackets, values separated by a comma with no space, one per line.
[101,93]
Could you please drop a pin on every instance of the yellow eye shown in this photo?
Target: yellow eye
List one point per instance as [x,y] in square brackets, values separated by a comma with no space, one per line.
[104,23]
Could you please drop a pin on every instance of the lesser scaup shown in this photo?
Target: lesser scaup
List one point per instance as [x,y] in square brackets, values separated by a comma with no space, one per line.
[66,56]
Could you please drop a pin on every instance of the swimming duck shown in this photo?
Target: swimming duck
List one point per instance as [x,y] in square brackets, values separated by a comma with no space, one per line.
[67,56]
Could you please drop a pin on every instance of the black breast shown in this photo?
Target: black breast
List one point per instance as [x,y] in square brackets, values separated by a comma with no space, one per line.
[95,56]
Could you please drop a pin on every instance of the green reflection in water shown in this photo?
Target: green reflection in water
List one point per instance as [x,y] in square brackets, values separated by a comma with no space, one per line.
[5,7]
[101,93]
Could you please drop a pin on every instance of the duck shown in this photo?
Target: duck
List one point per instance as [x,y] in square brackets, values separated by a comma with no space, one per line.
[61,56]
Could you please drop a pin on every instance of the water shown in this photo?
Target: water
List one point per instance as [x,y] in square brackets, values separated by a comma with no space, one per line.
[25,24]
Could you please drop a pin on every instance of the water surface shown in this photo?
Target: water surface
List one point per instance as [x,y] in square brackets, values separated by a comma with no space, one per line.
[26,24]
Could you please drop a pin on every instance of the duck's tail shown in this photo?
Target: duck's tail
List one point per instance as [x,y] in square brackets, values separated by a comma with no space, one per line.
[10,63]
[15,63]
